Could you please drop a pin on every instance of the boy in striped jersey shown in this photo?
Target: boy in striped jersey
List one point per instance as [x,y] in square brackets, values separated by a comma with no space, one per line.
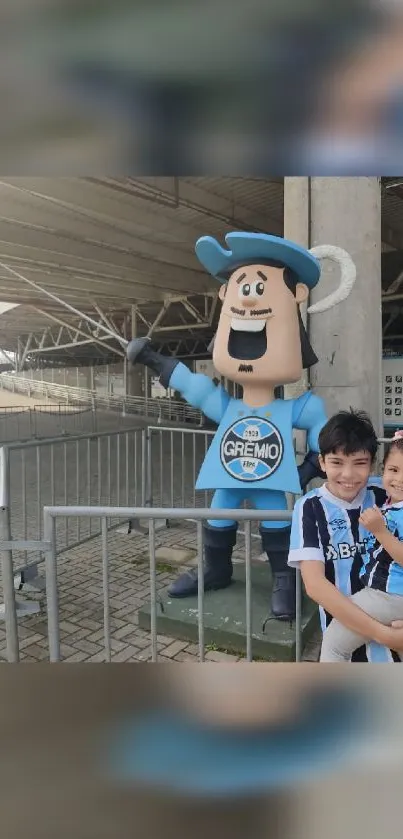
[382,573]
[327,542]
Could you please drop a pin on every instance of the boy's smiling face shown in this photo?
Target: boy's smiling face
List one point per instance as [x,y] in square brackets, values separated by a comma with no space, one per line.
[347,474]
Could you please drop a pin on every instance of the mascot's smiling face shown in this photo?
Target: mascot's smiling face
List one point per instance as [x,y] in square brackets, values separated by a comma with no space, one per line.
[258,335]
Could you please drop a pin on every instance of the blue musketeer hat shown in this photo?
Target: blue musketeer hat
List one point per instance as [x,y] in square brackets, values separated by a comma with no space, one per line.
[253,248]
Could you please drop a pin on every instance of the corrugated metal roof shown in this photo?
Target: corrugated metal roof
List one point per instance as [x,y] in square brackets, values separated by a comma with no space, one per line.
[116,241]
[260,194]
[124,241]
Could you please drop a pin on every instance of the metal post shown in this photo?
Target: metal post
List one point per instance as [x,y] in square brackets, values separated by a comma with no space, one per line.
[200,589]
[10,614]
[183,467]
[143,467]
[149,495]
[105,582]
[172,468]
[161,459]
[124,386]
[108,458]
[153,591]
[49,527]
[248,590]
[18,358]
[134,470]
[298,616]
[108,385]
[78,486]
[146,385]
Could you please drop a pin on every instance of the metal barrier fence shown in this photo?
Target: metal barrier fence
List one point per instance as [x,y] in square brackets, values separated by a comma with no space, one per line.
[48,546]
[134,467]
[162,410]
[174,457]
[123,466]
[21,422]
[97,468]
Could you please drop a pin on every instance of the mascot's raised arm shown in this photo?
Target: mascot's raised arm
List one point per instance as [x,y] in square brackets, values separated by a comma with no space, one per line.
[261,344]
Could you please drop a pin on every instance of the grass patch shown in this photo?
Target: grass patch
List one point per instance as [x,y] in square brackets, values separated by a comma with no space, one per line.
[215,648]
[165,567]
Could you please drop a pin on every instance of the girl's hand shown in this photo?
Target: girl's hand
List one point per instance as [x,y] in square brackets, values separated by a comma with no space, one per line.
[373,521]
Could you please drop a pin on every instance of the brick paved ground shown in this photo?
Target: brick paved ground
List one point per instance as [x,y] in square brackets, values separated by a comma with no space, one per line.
[81,605]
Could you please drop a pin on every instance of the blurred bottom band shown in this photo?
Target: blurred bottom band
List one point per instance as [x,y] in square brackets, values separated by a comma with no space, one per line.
[170,752]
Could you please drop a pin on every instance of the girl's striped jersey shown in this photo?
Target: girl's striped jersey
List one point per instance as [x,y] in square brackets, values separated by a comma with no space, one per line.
[380,571]
[327,529]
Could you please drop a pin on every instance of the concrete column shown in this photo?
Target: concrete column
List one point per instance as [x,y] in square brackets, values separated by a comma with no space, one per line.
[136,375]
[296,228]
[147,381]
[18,357]
[86,377]
[348,338]
[135,382]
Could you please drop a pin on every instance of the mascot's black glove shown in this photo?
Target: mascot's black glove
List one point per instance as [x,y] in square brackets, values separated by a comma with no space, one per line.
[140,351]
[309,469]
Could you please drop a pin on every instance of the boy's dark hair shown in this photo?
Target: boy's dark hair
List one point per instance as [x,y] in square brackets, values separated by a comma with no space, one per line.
[350,432]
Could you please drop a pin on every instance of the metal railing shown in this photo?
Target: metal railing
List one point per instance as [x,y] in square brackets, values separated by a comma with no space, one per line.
[100,468]
[131,466]
[48,546]
[134,467]
[174,458]
[23,422]
[163,410]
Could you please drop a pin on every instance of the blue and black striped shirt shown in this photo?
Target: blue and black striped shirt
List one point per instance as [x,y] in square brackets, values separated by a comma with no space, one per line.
[380,571]
[327,529]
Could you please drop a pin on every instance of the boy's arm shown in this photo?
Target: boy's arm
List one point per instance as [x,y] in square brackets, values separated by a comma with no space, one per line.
[319,589]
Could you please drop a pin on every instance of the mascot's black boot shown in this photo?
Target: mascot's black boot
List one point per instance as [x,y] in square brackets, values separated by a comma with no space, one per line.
[218,546]
[276,544]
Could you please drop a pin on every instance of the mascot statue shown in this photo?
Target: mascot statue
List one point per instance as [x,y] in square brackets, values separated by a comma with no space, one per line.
[260,344]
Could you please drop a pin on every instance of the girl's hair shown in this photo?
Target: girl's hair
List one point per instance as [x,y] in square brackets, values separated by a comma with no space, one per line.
[396,444]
